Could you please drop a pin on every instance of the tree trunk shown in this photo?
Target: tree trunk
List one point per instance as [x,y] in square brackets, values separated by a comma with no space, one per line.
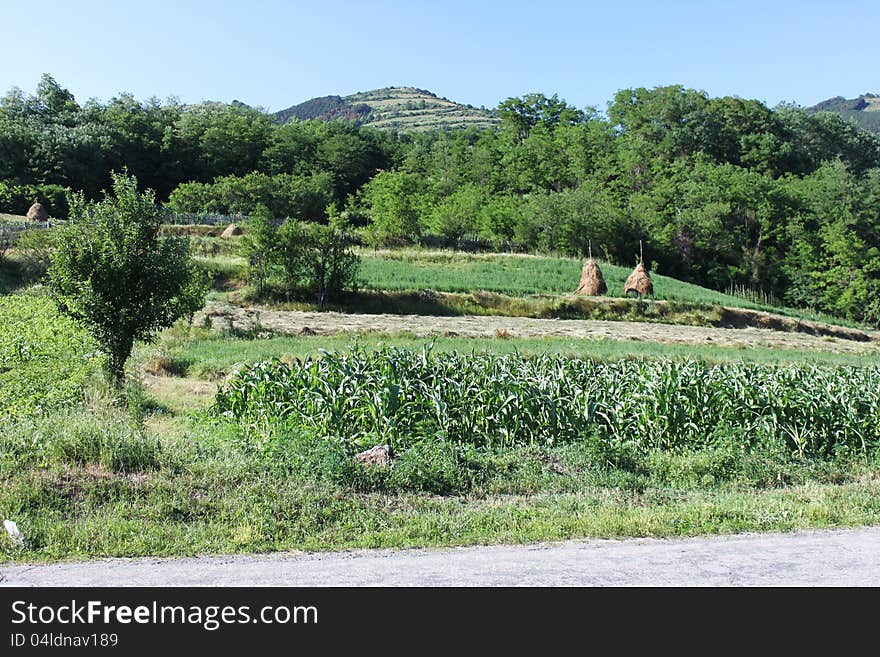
[116,357]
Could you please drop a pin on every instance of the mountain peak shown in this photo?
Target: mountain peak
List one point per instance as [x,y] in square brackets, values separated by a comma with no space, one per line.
[864,110]
[397,108]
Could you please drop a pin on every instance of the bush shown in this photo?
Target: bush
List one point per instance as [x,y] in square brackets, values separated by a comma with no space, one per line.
[258,246]
[395,203]
[285,195]
[458,215]
[16,199]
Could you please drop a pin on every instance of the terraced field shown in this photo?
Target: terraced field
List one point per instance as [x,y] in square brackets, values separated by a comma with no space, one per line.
[403,109]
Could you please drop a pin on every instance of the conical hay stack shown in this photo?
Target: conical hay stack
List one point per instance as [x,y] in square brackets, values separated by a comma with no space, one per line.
[639,282]
[592,281]
[231,230]
[37,212]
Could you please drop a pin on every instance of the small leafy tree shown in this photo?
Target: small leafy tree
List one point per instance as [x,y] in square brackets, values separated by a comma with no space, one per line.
[113,273]
[258,246]
[395,202]
[333,265]
[316,258]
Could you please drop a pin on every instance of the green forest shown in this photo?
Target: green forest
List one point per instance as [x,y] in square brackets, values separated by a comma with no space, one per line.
[721,191]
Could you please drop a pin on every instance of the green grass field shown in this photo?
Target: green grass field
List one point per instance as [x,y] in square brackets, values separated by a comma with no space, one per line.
[512,275]
[161,475]
[519,275]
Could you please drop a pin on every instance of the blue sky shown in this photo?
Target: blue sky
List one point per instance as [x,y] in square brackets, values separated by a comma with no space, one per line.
[275,54]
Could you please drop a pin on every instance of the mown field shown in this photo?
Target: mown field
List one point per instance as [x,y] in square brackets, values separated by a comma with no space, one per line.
[242,442]
[212,355]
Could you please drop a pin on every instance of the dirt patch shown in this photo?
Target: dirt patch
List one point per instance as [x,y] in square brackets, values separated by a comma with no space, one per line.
[224,316]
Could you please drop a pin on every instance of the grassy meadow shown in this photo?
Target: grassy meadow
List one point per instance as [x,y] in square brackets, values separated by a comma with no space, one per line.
[511,274]
[419,281]
[518,275]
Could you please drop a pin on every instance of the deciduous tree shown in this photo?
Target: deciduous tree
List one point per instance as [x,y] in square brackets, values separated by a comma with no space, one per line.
[113,273]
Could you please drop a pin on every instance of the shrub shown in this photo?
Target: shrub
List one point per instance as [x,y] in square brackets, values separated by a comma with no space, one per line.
[16,199]
[395,202]
[304,197]
[258,246]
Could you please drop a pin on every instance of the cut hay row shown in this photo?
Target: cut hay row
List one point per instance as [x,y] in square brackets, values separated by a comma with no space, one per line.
[400,397]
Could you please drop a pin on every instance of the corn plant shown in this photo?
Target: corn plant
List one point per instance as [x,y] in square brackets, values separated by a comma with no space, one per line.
[398,396]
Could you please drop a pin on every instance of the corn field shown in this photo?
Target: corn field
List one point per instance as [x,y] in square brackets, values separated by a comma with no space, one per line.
[398,396]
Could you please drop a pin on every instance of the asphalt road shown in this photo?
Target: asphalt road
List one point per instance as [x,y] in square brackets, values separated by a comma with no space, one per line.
[821,558]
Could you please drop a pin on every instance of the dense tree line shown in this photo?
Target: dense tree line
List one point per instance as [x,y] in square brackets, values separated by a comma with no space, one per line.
[720,190]
[50,139]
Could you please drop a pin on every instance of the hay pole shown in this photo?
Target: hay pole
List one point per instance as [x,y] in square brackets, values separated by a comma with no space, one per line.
[639,281]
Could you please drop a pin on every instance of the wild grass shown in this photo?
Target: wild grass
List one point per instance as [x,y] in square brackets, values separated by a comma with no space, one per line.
[223,272]
[104,438]
[45,359]
[204,490]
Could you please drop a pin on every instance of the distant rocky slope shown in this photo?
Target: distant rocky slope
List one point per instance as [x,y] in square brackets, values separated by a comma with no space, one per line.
[864,110]
[396,108]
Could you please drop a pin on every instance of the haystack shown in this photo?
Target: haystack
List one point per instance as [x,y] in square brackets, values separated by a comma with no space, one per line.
[592,281]
[37,212]
[639,282]
[231,229]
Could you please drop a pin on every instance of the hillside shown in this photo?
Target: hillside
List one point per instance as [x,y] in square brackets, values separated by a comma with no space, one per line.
[864,110]
[396,108]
